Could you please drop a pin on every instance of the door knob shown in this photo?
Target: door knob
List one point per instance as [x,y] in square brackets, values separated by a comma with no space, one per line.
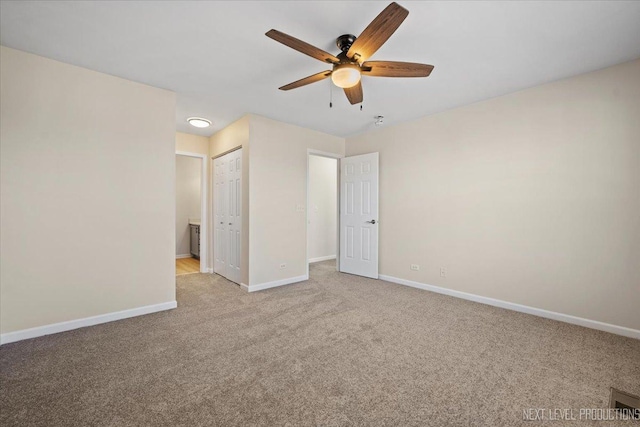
[373,221]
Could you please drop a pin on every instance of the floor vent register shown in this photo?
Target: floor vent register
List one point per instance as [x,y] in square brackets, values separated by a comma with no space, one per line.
[626,402]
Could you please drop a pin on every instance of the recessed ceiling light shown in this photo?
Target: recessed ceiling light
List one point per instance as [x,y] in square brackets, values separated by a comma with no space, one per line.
[199,122]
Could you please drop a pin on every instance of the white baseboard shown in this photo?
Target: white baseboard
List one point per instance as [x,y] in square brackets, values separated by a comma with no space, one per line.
[54,328]
[567,318]
[322,258]
[183,256]
[276,283]
[210,270]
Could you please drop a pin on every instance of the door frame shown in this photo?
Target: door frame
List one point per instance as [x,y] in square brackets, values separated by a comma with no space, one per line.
[338,157]
[204,212]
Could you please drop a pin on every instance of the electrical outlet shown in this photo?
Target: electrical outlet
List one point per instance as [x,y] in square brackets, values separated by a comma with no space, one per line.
[283,265]
[443,272]
[415,267]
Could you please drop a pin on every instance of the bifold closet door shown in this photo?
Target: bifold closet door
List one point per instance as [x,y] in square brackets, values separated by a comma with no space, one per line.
[227,200]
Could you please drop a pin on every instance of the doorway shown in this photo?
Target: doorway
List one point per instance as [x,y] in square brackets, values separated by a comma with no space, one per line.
[356,211]
[322,207]
[191,213]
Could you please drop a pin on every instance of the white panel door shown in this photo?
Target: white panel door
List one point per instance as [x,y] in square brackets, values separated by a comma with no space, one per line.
[228,215]
[234,213]
[359,215]
[220,217]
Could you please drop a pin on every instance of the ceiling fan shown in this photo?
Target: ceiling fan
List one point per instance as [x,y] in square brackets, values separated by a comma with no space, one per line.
[351,63]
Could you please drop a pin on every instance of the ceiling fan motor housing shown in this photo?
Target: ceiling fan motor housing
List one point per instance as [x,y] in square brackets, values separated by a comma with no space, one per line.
[345,41]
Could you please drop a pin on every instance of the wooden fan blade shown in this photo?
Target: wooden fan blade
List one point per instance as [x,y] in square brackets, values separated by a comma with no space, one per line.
[301,46]
[354,94]
[307,80]
[395,69]
[378,32]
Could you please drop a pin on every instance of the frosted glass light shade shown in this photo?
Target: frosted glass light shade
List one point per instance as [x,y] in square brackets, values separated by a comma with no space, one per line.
[345,75]
[199,122]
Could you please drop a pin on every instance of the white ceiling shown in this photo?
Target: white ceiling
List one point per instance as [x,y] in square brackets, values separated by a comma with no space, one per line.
[215,55]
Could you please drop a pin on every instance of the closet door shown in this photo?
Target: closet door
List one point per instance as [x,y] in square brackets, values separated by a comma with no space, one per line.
[227,200]
[234,215]
[220,217]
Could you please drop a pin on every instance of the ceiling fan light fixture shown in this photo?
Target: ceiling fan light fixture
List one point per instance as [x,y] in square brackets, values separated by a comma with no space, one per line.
[199,122]
[345,75]
[354,58]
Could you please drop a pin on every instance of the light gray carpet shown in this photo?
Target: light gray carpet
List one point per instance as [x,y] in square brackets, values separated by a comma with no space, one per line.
[336,350]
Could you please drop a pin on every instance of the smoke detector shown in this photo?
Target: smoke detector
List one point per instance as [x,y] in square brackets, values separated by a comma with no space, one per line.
[378,120]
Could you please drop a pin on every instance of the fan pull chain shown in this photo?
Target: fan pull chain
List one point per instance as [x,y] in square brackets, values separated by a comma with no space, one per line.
[330,95]
[360,107]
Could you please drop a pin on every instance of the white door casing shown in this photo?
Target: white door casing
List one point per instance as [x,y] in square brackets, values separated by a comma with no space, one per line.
[359,215]
[228,215]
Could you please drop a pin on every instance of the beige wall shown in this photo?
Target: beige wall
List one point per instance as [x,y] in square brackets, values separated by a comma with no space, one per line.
[188,199]
[278,185]
[192,143]
[87,187]
[275,163]
[234,136]
[531,198]
[323,207]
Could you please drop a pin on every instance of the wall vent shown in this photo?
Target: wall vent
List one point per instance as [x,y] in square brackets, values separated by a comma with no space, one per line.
[626,402]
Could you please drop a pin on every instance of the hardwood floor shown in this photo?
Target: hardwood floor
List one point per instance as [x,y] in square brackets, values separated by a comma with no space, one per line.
[187,266]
